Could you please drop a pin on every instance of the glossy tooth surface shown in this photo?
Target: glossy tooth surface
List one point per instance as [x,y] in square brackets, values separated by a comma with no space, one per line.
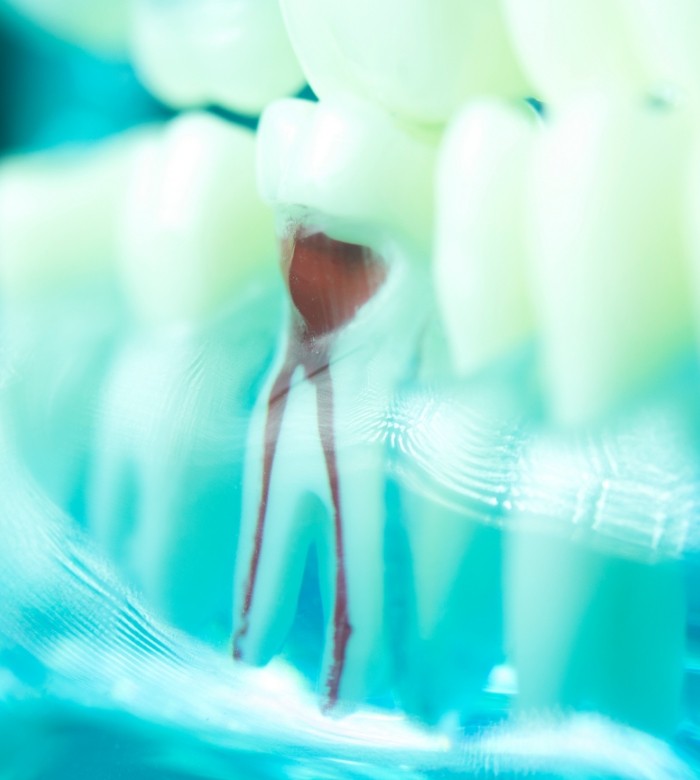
[198,249]
[350,161]
[315,462]
[480,268]
[420,60]
[667,33]
[102,26]
[573,47]
[234,53]
[609,259]
[195,230]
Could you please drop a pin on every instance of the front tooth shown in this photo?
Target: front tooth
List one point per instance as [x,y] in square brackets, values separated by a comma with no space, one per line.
[316,431]
[194,229]
[101,26]
[667,32]
[197,245]
[555,42]
[420,65]
[479,256]
[234,53]
[611,291]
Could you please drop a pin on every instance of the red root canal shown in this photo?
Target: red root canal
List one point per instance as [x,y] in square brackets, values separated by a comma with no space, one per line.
[328,282]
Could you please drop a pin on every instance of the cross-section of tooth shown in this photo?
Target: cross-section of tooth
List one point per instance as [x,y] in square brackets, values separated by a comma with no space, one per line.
[234,53]
[101,26]
[198,245]
[479,254]
[667,33]
[420,61]
[357,305]
[555,42]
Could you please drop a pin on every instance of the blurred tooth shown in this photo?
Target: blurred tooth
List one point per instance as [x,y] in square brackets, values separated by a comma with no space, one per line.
[350,185]
[101,26]
[420,64]
[194,229]
[59,214]
[234,53]
[609,263]
[301,161]
[575,46]
[668,32]
[479,256]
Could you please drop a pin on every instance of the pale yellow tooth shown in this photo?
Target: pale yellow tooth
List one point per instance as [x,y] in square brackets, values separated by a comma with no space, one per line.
[234,53]
[609,258]
[194,230]
[419,60]
[574,46]
[350,161]
[480,236]
[59,214]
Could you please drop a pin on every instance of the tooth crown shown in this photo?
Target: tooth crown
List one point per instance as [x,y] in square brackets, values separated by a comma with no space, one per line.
[234,53]
[195,230]
[420,60]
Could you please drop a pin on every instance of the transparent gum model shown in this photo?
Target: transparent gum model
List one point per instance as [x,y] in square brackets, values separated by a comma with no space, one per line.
[349,394]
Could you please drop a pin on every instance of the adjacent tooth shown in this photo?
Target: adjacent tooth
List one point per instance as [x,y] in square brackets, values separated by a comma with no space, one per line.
[356,312]
[611,290]
[479,253]
[573,47]
[197,249]
[234,53]
[419,64]
[667,32]
[101,26]
[194,230]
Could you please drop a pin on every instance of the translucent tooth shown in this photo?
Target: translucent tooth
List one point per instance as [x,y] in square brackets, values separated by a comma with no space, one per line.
[234,53]
[350,161]
[194,228]
[573,47]
[101,26]
[479,255]
[608,253]
[420,62]
[667,32]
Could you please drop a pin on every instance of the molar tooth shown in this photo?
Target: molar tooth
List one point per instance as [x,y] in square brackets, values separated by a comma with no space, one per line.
[234,53]
[355,315]
[479,257]
[419,64]
[555,40]
[197,241]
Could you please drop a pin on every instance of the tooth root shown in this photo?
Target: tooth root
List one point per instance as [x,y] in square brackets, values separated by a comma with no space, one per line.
[667,32]
[193,53]
[555,40]
[420,65]
[608,255]
[194,229]
[480,275]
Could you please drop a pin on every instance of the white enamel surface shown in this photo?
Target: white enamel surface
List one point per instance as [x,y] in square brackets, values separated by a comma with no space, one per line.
[350,161]
[420,59]
[667,33]
[367,359]
[59,213]
[194,228]
[103,26]
[234,53]
[480,268]
[608,256]
[575,46]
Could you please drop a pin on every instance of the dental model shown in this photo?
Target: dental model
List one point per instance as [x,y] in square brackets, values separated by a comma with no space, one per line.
[353,233]
[232,53]
[197,252]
